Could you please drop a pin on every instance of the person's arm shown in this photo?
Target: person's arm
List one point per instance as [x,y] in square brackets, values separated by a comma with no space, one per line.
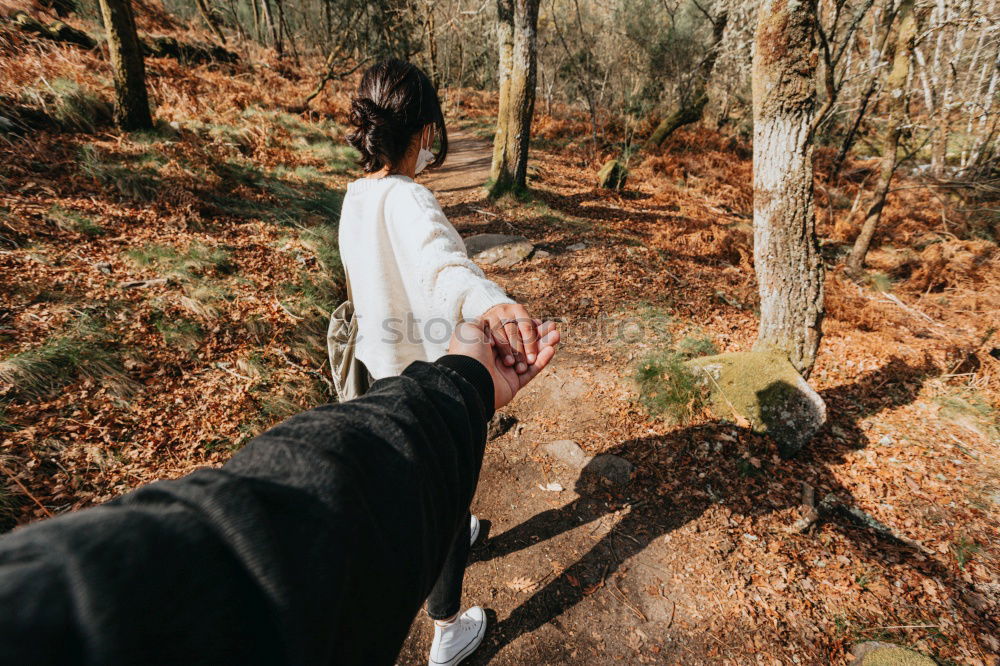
[431,251]
[315,544]
[428,248]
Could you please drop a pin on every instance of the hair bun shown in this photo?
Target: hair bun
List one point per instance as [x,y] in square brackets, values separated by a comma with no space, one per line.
[366,114]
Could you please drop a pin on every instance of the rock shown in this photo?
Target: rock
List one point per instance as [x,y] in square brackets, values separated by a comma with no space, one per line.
[885,441]
[104,267]
[568,452]
[614,469]
[876,653]
[61,32]
[612,175]
[499,424]
[499,250]
[576,247]
[764,389]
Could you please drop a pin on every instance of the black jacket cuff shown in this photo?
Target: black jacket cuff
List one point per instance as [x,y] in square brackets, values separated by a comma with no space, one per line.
[476,374]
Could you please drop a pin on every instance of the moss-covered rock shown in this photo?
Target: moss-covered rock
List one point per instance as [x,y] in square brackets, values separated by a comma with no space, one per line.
[875,653]
[764,389]
[612,175]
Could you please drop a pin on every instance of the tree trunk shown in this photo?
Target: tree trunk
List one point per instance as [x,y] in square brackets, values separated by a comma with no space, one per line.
[687,114]
[505,40]
[432,45]
[786,252]
[896,98]
[209,18]
[512,171]
[265,8]
[692,109]
[131,100]
[279,45]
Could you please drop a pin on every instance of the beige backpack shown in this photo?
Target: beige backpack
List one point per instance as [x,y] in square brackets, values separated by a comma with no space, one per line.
[350,376]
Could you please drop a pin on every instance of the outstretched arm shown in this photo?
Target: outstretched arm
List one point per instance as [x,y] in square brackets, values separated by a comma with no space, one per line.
[315,544]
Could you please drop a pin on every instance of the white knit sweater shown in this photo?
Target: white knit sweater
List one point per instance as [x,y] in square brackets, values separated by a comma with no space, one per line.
[411,279]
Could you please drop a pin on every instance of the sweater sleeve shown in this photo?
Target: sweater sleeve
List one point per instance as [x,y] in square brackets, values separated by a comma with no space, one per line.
[314,545]
[429,248]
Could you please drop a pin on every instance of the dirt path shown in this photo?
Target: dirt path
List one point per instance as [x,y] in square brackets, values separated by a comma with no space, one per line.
[558,585]
[464,172]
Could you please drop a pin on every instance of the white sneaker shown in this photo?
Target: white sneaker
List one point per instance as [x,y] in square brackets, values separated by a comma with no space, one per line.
[474,530]
[456,641]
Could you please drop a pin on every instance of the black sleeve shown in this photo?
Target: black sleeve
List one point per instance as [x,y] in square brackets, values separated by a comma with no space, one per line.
[316,544]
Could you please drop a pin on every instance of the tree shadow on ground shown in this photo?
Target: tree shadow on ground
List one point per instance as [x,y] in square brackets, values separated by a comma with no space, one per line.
[677,460]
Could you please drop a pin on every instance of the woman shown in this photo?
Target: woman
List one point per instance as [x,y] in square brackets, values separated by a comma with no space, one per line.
[412,283]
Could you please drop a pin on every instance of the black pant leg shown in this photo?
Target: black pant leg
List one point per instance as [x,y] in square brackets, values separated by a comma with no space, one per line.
[445,599]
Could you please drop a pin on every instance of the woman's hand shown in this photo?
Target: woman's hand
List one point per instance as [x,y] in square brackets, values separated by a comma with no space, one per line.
[515,335]
[476,340]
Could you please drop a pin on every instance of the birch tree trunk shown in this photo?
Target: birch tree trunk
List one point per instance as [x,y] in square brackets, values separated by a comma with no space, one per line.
[131,99]
[896,97]
[786,252]
[510,147]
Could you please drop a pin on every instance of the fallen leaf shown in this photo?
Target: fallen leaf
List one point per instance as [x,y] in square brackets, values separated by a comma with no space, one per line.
[522,584]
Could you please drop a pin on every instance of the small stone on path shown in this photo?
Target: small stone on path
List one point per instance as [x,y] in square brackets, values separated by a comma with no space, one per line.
[614,468]
[501,250]
[568,452]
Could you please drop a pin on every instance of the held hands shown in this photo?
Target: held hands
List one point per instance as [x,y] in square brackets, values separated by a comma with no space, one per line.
[479,341]
[515,335]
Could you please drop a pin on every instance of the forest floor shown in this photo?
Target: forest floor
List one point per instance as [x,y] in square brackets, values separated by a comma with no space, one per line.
[165,296]
[695,562]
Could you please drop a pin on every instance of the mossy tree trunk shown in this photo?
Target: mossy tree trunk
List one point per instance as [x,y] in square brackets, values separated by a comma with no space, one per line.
[895,88]
[510,146]
[131,99]
[786,251]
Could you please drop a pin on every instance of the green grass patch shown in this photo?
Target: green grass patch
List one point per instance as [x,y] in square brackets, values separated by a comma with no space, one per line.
[668,388]
[133,177]
[180,332]
[86,351]
[971,410]
[694,346]
[314,141]
[161,133]
[283,196]
[195,260]
[69,220]
[75,108]
[311,298]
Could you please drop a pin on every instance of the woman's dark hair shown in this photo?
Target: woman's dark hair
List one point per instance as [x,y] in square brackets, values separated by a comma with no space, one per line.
[394,101]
